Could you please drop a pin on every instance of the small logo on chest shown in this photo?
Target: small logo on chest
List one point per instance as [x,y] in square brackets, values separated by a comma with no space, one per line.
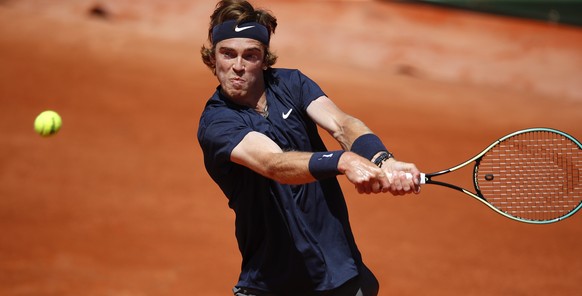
[286,115]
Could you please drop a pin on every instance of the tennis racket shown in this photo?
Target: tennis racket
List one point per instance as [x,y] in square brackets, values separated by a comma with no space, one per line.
[532,176]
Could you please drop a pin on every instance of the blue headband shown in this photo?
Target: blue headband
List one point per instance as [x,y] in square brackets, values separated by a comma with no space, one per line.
[230,29]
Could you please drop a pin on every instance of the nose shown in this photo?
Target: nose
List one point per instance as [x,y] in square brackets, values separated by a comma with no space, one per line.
[238,65]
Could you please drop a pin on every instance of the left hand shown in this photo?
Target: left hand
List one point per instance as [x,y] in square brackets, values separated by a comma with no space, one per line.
[400,184]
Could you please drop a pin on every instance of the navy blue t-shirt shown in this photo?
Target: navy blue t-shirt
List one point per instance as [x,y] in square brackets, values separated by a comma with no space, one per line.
[291,237]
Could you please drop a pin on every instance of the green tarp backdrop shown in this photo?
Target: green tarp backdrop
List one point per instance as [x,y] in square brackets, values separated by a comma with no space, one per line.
[554,11]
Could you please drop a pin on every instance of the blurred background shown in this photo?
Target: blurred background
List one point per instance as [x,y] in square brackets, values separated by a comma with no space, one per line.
[559,11]
[119,203]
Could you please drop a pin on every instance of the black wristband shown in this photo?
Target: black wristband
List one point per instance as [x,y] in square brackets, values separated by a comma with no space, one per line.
[323,165]
[367,146]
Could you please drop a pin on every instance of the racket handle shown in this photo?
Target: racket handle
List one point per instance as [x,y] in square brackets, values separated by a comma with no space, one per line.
[409,177]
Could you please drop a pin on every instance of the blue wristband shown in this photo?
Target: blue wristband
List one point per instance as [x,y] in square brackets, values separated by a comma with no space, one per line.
[368,145]
[323,165]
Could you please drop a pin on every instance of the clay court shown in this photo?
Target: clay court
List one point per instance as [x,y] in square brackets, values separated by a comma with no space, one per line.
[118,202]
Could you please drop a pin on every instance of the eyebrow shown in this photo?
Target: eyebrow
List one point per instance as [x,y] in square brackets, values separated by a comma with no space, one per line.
[244,50]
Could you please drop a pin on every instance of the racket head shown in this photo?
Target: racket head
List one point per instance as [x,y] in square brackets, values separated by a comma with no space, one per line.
[532,176]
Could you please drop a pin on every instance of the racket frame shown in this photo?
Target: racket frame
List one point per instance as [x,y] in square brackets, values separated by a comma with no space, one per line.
[427,178]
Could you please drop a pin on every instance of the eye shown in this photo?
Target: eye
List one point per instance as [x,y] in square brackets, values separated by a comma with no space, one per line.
[252,57]
[229,55]
[226,53]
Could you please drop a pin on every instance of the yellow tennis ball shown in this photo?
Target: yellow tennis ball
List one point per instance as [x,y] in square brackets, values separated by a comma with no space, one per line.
[48,123]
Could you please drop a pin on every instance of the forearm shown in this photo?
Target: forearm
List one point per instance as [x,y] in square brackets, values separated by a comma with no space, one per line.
[344,128]
[260,154]
[300,168]
[355,136]
[349,129]
[288,167]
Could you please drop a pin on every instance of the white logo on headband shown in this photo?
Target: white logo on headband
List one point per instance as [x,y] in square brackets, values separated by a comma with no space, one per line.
[237,29]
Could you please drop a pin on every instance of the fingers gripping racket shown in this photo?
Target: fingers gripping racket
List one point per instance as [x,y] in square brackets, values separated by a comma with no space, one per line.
[532,176]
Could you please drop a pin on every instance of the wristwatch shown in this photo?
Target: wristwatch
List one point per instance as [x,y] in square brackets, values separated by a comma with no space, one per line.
[383,156]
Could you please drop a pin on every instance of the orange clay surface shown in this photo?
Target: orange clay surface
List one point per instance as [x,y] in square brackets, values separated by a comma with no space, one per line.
[119,203]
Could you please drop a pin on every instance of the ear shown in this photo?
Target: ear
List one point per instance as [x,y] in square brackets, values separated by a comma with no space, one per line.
[265,65]
[213,61]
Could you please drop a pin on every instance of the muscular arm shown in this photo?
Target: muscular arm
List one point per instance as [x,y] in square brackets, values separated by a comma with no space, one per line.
[259,153]
[343,127]
[346,129]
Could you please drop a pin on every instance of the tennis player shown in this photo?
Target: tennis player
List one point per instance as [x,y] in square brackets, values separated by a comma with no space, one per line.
[258,133]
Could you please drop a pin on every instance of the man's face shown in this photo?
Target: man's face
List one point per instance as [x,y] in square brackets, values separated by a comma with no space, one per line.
[239,67]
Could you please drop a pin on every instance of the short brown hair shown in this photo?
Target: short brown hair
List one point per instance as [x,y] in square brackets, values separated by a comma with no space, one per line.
[241,11]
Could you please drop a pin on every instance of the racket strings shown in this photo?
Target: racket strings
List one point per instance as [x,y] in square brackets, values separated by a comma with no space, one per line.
[534,176]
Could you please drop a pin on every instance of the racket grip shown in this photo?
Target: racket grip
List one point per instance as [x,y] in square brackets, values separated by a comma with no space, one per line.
[409,177]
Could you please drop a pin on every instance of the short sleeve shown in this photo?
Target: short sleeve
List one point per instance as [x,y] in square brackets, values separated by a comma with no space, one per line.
[309,89]
[295,86]
[218,135]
